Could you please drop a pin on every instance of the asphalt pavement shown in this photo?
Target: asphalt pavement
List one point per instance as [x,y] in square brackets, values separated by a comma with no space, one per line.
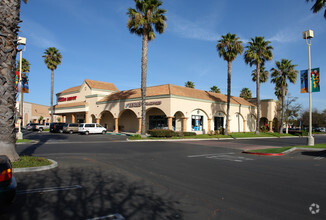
[107,177]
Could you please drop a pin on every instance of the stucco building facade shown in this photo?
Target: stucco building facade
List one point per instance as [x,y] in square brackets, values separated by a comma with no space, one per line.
[167,106]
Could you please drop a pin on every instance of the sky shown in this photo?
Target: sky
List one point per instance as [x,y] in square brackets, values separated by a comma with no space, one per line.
[95,43]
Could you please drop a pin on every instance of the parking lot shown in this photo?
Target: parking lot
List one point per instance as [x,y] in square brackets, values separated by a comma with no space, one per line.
[102,176]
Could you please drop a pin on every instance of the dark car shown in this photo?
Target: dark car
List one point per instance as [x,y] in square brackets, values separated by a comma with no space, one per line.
[57,127]
[8,183]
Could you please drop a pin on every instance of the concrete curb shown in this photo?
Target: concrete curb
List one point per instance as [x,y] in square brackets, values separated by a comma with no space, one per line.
[31,142]
[285,152]
[217,139]
[35,169]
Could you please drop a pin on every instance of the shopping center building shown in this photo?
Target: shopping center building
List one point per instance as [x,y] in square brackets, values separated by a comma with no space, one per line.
[167,106]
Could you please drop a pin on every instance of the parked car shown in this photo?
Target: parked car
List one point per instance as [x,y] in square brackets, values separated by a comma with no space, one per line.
[41,127]
[91,128]
[8,183]
[56,127]
[30,126]
[70,128]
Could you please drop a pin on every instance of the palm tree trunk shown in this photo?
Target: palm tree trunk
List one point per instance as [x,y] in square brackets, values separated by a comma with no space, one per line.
[282,116]
[258,97]
[52,85]
[143,81]
[228,98]
[9,20]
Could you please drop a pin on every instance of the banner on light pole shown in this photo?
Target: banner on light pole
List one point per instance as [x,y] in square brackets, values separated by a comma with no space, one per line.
[315,80]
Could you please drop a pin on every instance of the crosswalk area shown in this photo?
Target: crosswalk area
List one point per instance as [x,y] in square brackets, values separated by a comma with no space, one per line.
[223,156]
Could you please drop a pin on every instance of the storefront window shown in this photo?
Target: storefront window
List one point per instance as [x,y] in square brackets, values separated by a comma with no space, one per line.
[158,122]
[218,123]
[197,122]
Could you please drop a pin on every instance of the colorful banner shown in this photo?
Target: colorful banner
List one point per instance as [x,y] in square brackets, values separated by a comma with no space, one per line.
[25,87]
[304,81]
[315,80]
[25,83]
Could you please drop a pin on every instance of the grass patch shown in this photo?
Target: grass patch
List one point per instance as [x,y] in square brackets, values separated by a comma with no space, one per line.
[271,150]
[30,161]
[23,140]
[135,137]
[261,134]
[282,149]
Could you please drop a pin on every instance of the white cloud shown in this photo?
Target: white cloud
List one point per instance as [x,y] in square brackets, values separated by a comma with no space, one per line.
[191,29]
[38,35]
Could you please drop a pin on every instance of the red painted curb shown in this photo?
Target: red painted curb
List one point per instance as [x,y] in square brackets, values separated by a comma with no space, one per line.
[264,154]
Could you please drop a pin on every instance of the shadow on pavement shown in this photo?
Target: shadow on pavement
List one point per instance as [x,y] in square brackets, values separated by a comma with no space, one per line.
[41,138]
[99,195]
[315,153]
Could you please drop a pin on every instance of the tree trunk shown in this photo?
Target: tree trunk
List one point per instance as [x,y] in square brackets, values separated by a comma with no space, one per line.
[258,97]
[52,85]
[282,116]
[143,81]
[228,98]
[9,19]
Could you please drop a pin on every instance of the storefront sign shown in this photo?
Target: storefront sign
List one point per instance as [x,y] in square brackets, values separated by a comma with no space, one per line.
[64,99]
[138,104]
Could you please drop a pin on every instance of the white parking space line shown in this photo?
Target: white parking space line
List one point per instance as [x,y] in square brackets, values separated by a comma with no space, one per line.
[223,156]
[114,216]
[50,189]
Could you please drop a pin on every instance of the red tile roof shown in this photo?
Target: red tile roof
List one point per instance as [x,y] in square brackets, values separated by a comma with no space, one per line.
[169,89]
[93,85]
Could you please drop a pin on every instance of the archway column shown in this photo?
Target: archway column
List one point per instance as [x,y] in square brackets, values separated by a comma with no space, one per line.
[209,120]
[184,124]
[244,125]
[86,117]
[170,123]
[73,118]
[139,125]
[270,126]
[97,120]
[116,125]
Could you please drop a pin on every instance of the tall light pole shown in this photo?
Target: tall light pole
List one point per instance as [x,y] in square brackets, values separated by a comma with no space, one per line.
[21,41]
[308,35]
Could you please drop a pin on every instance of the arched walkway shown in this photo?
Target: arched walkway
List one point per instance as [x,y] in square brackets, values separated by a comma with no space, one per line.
[156,119]
[177,122]
[107,120]
[128,121]
[199,123]
[219,121]
[236,123]
[251,123]
[93,118]
[263,124]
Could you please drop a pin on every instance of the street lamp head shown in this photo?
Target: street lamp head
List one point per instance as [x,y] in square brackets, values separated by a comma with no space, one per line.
[308,34]
[21,41]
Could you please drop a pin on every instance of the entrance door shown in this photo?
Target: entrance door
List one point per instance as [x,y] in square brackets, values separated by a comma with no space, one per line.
[218,123]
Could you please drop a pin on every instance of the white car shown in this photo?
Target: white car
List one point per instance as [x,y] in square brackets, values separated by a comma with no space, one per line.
[91,128]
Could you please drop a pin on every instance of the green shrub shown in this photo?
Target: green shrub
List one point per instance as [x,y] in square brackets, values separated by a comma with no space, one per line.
[178,134]
[161,133]
[189,133]
[135,137]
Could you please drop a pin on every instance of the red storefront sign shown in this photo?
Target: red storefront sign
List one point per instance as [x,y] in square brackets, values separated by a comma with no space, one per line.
[64,99]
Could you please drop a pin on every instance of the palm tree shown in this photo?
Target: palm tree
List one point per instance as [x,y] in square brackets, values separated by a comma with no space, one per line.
[246,93]
[257,52]
[26,66]
[215,89]
[284,71]
[263,75]
[9,20]
[229,47]
[190,84]
[142,21]
[52,58]
[319,4]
